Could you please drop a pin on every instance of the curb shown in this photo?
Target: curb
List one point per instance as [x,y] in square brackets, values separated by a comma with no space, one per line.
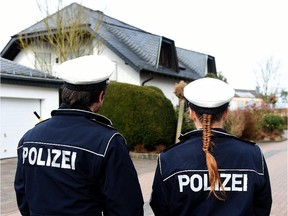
[149,156]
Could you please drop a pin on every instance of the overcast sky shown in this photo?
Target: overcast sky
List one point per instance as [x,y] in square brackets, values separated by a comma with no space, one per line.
[240,34]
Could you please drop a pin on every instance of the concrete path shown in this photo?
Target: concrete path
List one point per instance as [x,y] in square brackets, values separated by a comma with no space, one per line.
[275,154]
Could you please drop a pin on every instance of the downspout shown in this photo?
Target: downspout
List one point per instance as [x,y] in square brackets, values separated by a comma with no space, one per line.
[145,81]
[157,61]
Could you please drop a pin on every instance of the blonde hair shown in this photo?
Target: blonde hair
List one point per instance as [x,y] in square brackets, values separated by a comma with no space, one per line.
[214,176]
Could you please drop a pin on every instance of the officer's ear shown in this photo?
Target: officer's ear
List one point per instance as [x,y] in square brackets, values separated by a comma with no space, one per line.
[225,114]
[101,97]
[97,104]
[192,114]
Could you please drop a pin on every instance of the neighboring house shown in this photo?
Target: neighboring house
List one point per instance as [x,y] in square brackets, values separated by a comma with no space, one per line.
[141,58]
[23,91]
[244,98]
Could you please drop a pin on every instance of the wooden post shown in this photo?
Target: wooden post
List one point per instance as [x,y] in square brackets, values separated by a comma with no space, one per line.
[180,118]
[179,88]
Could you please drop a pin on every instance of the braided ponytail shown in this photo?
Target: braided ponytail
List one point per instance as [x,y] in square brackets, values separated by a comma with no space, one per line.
[214,177]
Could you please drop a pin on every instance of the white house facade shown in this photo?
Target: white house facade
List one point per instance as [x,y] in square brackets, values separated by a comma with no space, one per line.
[142,58]
[123,72]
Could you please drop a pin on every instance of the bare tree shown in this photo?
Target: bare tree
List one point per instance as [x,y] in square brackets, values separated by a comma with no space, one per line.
[267,79]
[67,34]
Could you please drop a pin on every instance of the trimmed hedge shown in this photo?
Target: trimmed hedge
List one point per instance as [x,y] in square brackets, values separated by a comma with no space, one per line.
[142,114]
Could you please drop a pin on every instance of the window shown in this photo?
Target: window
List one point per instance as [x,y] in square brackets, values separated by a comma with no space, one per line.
[168,56]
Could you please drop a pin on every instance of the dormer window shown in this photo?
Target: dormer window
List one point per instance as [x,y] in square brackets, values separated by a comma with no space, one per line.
[168,56]
[211,65]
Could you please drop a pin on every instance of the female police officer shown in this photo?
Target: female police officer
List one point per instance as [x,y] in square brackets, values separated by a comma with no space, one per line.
[211,172]
[76,163]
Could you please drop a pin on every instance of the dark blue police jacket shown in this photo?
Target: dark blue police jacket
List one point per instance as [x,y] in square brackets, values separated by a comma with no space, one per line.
[76,163]
[181,182]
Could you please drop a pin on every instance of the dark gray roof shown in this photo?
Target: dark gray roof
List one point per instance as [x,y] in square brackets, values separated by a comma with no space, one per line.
[243,93]
[138,48]
[13,73]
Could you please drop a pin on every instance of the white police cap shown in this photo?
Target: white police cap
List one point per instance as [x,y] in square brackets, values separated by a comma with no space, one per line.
[86,71]
[208,93]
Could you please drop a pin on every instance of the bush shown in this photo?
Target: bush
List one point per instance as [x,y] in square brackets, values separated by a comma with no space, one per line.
[142,114]
[235,123]
[241,123]
[256,123]
[272,122]
[258,112]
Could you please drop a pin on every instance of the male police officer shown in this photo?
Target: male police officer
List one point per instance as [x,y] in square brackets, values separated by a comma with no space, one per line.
[76,163]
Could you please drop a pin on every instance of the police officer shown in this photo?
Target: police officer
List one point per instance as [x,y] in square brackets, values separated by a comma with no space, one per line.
[76,163]
[211,172]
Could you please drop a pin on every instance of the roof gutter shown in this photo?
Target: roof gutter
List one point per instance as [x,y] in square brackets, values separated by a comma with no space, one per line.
[31,81]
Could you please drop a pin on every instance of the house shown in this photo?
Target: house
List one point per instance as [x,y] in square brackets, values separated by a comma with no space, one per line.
[244,98]
[142,58]
[23,91]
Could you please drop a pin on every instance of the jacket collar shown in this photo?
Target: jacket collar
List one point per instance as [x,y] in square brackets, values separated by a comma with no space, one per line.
[65,109]
[198,133]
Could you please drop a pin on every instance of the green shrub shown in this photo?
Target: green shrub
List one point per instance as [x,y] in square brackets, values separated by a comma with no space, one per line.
[142,114]
[258,112]
[272,122]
